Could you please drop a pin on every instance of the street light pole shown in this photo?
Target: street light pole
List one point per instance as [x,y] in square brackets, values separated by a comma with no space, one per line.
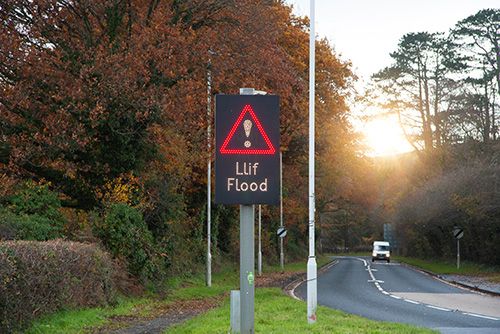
[209,172]
[312,298]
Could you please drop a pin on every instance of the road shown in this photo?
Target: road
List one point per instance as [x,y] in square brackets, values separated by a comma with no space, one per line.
[396,293]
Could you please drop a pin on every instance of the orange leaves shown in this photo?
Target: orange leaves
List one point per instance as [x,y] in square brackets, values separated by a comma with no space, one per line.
[120,89]
[125,188]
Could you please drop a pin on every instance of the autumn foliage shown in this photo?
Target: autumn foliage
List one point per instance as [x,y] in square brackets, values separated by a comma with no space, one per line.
[106,101]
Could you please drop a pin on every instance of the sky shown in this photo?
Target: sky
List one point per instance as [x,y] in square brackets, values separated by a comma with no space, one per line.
[366,31]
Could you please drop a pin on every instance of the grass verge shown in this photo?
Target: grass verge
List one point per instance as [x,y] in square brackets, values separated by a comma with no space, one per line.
[450,267]
[277,313]
[181,288]
[77,321]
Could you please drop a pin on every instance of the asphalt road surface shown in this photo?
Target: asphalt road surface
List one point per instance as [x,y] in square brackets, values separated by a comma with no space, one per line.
[396,293]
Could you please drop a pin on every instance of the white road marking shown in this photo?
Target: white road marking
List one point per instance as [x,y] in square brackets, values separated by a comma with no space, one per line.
[377,284]
[480,316]
[411,301]
[292,291]
[438,308]
[375,281]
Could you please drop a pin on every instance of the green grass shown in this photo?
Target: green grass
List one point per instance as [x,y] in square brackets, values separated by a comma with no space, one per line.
[272,308]
[492,274]
[227,279]
[181,288]
[448,267]
[75,321]
[277,313]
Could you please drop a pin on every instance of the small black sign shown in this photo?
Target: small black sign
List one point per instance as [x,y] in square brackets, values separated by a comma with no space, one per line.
[458,233]
[247,145]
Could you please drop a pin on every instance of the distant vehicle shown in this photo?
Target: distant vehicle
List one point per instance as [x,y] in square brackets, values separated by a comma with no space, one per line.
[381,251]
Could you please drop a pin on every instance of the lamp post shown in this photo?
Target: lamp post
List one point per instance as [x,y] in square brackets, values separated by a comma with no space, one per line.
[209,168]
[312,298]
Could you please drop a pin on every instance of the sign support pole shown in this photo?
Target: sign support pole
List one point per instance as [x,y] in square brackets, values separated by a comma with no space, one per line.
[458,233]
[259,255]
[247,260]
[247,265]
[282,255]
[312,297]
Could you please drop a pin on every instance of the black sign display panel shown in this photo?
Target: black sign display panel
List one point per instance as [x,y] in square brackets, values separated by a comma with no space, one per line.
[247,145]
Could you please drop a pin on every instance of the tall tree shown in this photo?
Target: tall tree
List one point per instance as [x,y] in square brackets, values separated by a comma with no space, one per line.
[417,83]
[477,36]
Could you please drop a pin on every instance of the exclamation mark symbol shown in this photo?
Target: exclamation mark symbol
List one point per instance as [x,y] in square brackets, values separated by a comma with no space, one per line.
[247,125]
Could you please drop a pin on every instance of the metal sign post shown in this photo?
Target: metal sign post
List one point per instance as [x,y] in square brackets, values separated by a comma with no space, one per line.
[247,265]
[247,173]
[259,255]
[458,234]
[282,254]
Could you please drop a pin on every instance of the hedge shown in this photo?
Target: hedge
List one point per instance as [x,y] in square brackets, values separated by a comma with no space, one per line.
[40,277]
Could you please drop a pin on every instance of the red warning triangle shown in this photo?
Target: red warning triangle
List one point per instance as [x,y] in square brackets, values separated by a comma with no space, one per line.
[270,148]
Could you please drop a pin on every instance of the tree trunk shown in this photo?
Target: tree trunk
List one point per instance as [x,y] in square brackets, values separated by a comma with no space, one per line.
[497,69]
[487,124]
[437,117]
[427,124]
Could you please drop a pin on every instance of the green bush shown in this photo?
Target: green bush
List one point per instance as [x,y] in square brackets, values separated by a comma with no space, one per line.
[32,214]
[40,277]
[27,227]
[125,234]
[34,199]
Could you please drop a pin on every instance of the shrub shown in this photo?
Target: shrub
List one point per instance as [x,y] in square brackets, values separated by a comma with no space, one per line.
[42,277]
[35,199]
[27,227]
[125,234]
[33,214]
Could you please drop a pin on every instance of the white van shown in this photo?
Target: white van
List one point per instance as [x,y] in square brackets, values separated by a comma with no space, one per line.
[381,251]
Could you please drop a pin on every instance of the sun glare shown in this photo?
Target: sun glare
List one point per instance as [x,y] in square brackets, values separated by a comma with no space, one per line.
[384,136]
